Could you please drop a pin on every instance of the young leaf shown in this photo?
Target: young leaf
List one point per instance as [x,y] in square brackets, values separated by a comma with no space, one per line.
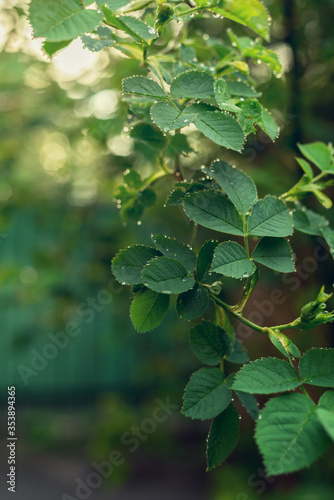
[148,309]
[274,253]
[165,275]
[231,259]
[223,437]
[267,56]
[270,217]
[283,344]
[309,222]
[50,48]
[328,234]
[306,167]
[214,211]
[169,247]
[266,376]
[238,186]
[327,400]
[289,434]
[192,84]
[204,261]
[63,21]
[326,419]
[141,85]
[319,154]
[136,28]
[222,92]
[316,367]
[128,264]
[221,128]
[192,304]
[237,353]
[206,394]
[241,89]
[268,124]
[209,342]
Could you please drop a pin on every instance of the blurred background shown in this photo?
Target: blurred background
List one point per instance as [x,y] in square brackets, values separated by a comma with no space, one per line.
[95,397]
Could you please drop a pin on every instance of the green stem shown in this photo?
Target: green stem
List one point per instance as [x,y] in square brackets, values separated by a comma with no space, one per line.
[238,316]
[244,225]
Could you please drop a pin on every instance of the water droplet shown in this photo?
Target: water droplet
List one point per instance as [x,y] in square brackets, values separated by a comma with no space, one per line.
[139,223]
[184,280]
[152,31]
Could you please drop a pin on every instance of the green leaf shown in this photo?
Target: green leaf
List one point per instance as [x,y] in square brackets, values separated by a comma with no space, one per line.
[251,13]
[327,400]
[266,376]
[223,437]
[214,211]
[134,27]
[113,4]
[128,264]
[169,247]
[267,56]
[238,186]
[209,342]
[50,48]
[148,309]
[206,394]
[309,222]
[306,167]
[289,434]
[237,353]
[268,124]
[146,133]
[221,128]
[231,259]
[165,275]
[241,89]
[274,253]
[326,419]
[250,404]
[270,217]
[222,92]
[192,84]
[204,261]
[192,304]
[167,117]
[316,367]
[97,44]
[179,145]
[62,20]
[141,85]
[328,234]
[133,179]
[319,154]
